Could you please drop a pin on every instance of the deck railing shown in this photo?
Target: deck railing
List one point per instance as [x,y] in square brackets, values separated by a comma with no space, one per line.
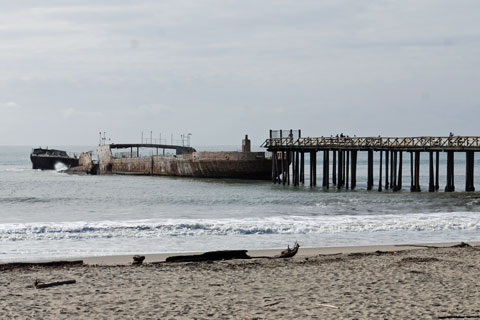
[414,143]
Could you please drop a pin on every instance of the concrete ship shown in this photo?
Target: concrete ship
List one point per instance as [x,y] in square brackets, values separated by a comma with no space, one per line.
[185,162]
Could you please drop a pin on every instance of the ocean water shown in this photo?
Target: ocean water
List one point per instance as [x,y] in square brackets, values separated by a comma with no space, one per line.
[49,214]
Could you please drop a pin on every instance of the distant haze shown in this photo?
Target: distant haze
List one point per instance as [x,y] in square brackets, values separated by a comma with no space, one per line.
[223,69]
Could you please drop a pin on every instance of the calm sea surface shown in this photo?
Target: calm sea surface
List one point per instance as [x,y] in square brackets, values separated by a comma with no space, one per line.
[49,214]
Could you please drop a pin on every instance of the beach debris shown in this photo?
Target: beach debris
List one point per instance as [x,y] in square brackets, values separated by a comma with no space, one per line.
[460,317]
[460,245]
[41,285]
[272,304]
[211,256]
[138,259]
[12,265]
[230,255]
[328,306]
[289,252]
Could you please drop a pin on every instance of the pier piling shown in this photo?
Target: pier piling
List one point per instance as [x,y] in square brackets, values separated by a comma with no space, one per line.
[386,169]
[370,170]
[450,187]
[347,168]
[431,185]
[469,177]
[354,170]
[380,172]
[417,172]
[400,171]
[334,166]
[302,168]
[437,171]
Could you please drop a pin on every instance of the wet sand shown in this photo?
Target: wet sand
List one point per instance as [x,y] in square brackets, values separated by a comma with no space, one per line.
[378,282]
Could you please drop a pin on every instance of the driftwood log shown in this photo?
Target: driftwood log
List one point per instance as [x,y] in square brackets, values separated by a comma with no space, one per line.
[41,285]
[138,259]
[211,256]
[289,252]
[230,255]
[5,266]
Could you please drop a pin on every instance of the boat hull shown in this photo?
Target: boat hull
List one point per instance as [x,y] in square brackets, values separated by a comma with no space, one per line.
[48,162]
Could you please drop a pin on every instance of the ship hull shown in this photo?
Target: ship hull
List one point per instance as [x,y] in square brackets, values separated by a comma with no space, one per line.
[232,165]
[48,162]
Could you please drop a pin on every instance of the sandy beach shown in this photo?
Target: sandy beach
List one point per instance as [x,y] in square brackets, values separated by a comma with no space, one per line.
[378,282]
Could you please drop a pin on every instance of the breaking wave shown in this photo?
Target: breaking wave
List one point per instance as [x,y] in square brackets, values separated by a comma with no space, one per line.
[267,226]
[60,166]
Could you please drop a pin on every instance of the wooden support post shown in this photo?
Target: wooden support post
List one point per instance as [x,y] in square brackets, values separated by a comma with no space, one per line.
[417,171]
[289,161]
[380,172]
[314,168]
[284,178]
[400,171]
[412,187]
[343,167]
[370,170]
[297,168]
[292,161]
[431,185]
[354,170]
[327,169]
[469,176]
[386,169]
[324,167]
[334,170]
[302,168]
[394,170]
[274,160]
[347,169]
[311,168]
[437,169]
[340,169]
[450,187]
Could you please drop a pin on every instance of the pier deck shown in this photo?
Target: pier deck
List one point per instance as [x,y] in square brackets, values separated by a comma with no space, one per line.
[289,150]
[455,143]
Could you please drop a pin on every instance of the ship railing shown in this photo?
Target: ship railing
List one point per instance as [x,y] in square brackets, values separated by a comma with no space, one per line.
[123,155]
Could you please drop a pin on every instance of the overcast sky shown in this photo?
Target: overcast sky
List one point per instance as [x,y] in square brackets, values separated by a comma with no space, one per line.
[221,69]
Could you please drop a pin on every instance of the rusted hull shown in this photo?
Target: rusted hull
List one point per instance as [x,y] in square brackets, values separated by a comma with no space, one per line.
[235,165]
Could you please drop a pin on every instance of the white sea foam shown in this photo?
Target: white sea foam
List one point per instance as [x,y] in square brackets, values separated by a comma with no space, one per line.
[290,225]
[60,166]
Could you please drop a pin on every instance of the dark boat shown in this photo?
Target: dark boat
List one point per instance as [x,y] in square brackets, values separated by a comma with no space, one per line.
[46,159]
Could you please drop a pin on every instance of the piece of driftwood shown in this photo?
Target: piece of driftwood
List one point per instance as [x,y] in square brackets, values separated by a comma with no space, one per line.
[328,306]
[12,265]
[138,259]
[41,285]
[211,256]
[289,252]
[460,317]
[460,245]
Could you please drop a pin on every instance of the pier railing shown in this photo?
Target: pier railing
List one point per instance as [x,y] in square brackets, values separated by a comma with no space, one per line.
[454,143]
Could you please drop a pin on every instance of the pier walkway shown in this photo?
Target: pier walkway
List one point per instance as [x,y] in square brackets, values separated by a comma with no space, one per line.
[289,149]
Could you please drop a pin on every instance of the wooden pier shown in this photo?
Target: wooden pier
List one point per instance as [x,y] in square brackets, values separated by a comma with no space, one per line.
[289,150]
